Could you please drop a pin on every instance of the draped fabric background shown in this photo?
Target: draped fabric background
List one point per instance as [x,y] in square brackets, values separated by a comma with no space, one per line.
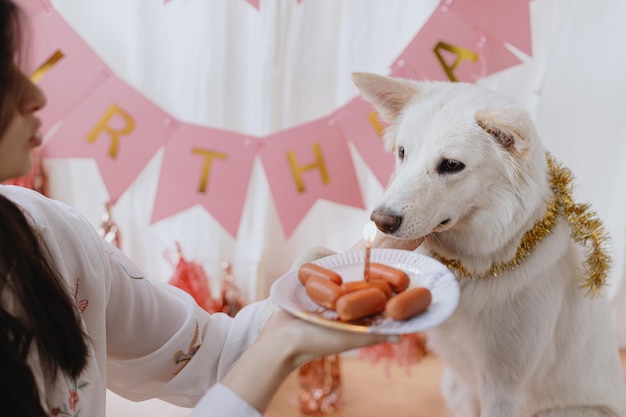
[227,65]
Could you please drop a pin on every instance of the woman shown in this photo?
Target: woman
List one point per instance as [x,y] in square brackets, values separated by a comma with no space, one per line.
[77,317]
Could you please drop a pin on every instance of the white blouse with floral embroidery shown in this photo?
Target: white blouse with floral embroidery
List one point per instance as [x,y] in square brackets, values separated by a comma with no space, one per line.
[147,339]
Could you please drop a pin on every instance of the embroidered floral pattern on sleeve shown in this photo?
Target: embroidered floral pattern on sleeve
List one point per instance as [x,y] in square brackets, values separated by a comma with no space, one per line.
[185,357]
[71,408]
[82,304]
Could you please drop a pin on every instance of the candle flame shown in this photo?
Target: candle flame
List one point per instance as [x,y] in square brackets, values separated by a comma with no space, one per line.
[369,231]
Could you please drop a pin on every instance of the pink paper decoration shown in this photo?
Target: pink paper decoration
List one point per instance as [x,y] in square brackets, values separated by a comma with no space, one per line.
[191,277]
[119,128]
[307,163]
[64,66]
[254,3]
[447,48]
[361,125]
[209,167]
[33,7]
[507,20]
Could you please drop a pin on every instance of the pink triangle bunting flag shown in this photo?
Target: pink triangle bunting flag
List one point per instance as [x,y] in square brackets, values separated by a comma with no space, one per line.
[254,3]
[447,48]
[507,20]
[34,7]
[118,127]
[207,167]
[63,66]
[305,164]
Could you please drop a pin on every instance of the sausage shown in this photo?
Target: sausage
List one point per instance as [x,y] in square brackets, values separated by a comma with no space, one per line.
[383,285]
[308,270]
[352,286]
[361,303]
[323,291]
[408,303]
[399,280]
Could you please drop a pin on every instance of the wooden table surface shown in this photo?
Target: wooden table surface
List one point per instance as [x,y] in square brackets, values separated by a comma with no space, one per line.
[402,392]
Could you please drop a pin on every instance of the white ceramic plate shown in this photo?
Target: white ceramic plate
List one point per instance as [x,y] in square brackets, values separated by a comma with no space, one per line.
[424,271]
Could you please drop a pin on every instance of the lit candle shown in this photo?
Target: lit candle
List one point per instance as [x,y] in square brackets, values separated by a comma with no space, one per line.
[369,233]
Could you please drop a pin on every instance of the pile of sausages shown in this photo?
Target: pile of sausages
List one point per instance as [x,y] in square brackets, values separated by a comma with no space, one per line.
[386,290]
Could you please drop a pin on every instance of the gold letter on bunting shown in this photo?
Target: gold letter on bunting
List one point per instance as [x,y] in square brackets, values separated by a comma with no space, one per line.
[297,170]
[461,53]
[45,67]
[206,167]
[375,122]
[115,134]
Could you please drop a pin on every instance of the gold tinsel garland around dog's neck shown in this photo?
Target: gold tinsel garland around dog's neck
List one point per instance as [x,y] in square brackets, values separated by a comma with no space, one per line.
[587,230]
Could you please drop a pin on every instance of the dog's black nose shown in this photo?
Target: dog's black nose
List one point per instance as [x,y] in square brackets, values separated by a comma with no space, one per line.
[386,220]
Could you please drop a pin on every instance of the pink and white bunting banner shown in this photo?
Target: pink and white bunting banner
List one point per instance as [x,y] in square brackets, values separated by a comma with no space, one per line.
[101,117]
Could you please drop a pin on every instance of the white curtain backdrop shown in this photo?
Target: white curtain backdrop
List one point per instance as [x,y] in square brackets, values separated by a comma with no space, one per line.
[224,64]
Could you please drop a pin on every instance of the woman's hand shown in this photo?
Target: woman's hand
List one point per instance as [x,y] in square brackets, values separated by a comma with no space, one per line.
[284,344]
[306,341]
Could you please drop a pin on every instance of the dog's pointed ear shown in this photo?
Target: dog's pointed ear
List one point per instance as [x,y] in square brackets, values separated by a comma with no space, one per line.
[509,129]
[388,95]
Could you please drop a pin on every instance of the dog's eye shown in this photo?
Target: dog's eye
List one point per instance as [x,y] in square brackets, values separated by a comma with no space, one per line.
[401,152]
[450,165]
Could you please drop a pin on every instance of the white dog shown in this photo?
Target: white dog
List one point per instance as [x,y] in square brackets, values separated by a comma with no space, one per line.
[532,335]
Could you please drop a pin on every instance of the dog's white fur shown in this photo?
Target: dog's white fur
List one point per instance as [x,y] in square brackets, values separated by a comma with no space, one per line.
[528,343]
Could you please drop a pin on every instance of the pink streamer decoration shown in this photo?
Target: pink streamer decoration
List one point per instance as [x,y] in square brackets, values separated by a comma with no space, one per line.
[410,350]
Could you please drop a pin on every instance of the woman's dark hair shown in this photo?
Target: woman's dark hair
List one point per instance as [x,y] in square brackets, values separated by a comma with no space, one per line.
[11,33]
[41,312]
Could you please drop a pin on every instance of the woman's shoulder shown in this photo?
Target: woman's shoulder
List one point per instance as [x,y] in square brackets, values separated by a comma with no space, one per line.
[70,239]
[39,207]
[53,219]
